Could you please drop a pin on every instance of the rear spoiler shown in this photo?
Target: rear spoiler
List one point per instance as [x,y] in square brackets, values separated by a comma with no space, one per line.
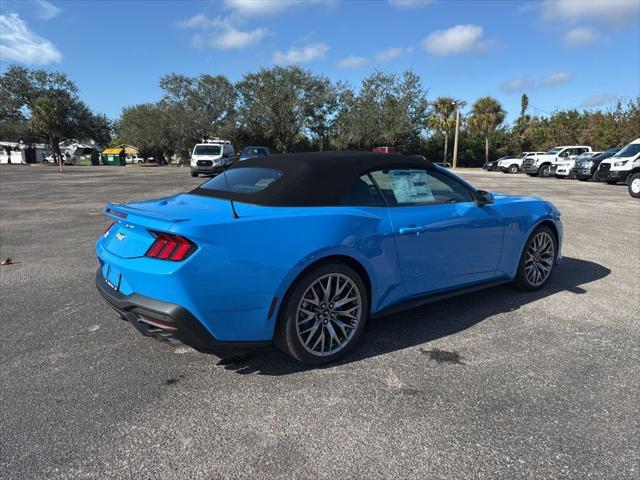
[122,212]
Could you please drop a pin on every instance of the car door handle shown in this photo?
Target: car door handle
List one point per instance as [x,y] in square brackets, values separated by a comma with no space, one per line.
[410,230]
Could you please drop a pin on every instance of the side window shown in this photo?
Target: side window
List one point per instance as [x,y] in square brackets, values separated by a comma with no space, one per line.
[420,187]
[364,192]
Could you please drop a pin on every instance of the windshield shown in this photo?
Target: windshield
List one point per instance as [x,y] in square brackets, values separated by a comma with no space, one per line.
[553,151]
[207,150]
[630,150]
[584,156]
[253,151]
[522,155]
[244,180]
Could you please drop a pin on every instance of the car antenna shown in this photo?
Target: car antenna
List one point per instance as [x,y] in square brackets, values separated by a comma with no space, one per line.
[233,207]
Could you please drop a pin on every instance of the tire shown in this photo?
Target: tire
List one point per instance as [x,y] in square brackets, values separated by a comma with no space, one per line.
[527,278]
[545,171]
[304,338]
[194,174]
[633,184]
[514,169]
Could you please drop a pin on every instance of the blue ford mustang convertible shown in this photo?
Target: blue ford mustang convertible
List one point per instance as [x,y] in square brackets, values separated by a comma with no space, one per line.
[301,249]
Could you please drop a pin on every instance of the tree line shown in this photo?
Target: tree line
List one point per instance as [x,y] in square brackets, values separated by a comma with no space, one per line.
[291,109]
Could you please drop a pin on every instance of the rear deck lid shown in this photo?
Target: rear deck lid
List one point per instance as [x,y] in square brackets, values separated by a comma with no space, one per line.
[136,222]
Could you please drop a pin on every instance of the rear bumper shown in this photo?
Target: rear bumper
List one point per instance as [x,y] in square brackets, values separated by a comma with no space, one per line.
[164,321]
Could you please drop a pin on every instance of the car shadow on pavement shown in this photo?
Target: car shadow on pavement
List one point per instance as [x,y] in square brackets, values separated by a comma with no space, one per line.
[430,322]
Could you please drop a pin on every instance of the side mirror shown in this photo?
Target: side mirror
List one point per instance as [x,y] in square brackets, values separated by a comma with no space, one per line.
[483,198]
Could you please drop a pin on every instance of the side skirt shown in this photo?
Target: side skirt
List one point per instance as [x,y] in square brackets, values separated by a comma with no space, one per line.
[436,297]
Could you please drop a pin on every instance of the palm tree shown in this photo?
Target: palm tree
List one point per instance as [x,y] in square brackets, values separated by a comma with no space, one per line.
[443,118]
[486,115]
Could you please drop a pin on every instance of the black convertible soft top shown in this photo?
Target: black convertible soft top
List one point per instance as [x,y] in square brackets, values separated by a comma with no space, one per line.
[314,179]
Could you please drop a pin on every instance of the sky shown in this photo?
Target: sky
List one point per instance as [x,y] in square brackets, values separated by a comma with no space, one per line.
[561,53]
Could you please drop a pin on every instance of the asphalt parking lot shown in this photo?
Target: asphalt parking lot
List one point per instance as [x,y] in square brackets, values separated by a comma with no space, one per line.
[495,384]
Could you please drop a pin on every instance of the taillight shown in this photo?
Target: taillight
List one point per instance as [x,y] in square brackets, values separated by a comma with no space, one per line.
[170,247]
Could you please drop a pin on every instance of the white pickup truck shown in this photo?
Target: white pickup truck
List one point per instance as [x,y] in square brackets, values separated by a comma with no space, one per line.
[134,159]
[564,168]
[545,165]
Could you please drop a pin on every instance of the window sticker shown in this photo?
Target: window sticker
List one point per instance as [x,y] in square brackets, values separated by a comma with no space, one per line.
[411,186]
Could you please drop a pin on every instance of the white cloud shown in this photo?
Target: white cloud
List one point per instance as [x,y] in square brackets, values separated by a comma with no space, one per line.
[47,10]
[219,33]
[517,84]
[388,54]
[200,20]
[269,7]
[557,78]
[610,12]
[230,37]
[352,62]
[313,51]
[581,36]
[409,3]
[597,100]
[456,40]
[18,43]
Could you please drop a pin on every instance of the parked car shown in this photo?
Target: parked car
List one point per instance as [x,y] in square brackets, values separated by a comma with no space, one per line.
[211,157]
[544,165]
[67,159]
[301,249]
[493,165]
[514,165]
[618,167]
[565,168]
[252,152]
[134,159]
[585,169]
[633,181]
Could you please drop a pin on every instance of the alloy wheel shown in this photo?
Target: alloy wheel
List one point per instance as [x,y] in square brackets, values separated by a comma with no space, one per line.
[635,185]
[539,259]
[328,314]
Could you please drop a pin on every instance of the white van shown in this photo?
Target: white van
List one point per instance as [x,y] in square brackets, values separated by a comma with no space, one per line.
[545,165]
[211,156]
[618,168]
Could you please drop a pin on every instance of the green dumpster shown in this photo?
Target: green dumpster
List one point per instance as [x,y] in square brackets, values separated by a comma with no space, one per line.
[114,157]
[83,157]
